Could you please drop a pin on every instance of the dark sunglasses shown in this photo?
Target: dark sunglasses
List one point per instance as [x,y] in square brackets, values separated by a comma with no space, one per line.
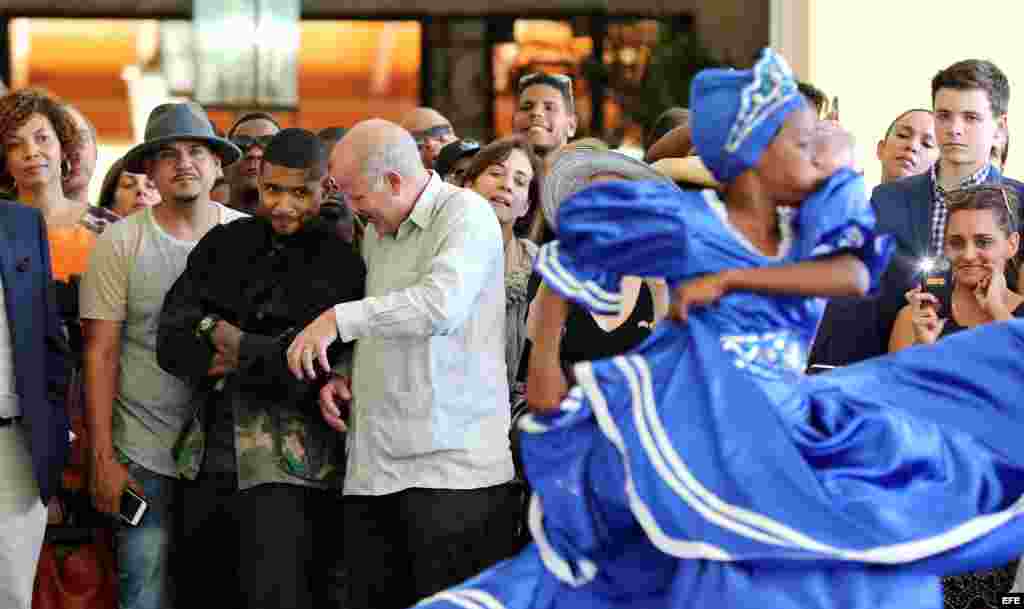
[245,142]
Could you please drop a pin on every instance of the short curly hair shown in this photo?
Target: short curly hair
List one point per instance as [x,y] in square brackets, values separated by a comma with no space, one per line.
[17,107]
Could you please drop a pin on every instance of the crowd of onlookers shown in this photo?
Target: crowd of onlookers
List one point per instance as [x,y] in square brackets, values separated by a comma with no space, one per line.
[306,353]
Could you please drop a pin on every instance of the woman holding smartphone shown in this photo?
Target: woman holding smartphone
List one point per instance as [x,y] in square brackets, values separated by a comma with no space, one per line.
[981,243]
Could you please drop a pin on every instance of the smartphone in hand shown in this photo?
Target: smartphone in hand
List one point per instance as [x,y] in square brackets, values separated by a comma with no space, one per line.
[937,280]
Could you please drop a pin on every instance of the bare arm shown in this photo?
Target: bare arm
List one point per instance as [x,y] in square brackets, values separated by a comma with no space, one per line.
[842,275]
[108,477]
[836,276]
[918,323]
[102,373]
[545,383]
[674,144]
[902,330]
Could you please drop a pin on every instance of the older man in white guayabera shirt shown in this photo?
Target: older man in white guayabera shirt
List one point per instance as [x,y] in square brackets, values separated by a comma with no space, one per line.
[427,499]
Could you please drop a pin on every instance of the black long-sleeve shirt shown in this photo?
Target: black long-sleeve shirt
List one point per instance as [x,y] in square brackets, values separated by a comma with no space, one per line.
[270,287]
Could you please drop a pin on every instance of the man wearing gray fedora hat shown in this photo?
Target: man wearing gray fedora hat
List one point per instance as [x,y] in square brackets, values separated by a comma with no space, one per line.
[134,410]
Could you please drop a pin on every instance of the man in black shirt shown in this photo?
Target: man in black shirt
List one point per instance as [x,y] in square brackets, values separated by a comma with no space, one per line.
[260,489]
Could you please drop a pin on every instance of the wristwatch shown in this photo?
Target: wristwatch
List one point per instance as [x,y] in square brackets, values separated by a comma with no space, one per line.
[204,329]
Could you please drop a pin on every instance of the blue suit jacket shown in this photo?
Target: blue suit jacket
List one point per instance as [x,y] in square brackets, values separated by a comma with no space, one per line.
[904,209]
[39,349]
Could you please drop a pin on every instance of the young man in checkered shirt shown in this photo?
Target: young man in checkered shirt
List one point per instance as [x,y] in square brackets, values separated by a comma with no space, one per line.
[970,100]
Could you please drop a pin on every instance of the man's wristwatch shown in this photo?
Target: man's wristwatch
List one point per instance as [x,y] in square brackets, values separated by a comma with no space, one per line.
[205,327]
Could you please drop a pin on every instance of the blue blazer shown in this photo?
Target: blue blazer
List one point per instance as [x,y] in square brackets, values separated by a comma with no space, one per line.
[39,348]
[904,209]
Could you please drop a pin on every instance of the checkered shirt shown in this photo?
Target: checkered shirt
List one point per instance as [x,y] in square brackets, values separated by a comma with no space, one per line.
[939,209]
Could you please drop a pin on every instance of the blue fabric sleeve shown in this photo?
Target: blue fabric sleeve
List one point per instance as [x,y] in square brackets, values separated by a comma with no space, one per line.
[838,218]
[614,229]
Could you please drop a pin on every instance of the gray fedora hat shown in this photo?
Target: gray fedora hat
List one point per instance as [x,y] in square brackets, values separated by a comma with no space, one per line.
[572,170]
[179,121]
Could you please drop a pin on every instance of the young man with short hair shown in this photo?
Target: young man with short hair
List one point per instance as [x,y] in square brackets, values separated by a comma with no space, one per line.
[970,100]
[258,497]
[546,111]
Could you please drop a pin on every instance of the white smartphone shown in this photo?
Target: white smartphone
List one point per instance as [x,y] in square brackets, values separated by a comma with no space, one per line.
[133,507]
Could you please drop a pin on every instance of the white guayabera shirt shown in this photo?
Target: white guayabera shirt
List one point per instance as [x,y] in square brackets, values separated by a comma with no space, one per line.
[430,393]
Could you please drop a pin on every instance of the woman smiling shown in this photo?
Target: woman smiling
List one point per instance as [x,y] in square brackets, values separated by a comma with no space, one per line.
[982,242]
[506,173]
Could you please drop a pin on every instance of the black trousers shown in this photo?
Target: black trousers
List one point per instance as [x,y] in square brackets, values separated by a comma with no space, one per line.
[268,547]
[409,545]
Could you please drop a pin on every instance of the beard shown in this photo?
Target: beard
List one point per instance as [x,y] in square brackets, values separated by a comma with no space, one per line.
[186,199]
[543,150]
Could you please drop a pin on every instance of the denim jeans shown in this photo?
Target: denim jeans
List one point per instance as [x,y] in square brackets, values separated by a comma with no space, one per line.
[143,551]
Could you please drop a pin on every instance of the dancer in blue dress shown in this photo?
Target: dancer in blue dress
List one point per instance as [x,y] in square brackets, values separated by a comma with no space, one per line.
[704,469]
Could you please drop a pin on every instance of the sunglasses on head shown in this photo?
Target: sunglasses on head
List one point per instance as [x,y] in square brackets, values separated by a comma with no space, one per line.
[245,142]
[560,81]
[962,195]
[435,132]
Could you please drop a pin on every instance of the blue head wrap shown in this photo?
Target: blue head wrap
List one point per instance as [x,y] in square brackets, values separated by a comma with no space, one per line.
[737,113]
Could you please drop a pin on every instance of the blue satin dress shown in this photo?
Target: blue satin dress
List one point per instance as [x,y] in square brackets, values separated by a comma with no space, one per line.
[704,469]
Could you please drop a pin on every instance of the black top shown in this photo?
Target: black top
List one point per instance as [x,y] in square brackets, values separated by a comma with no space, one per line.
[271,287]
[951,325]
[855,329]
[585,340]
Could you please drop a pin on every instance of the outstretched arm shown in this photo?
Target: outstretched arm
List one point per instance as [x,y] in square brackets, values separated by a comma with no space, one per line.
[835,276]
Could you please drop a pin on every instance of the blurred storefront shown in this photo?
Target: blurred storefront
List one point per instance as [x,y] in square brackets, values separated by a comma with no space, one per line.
[355,58]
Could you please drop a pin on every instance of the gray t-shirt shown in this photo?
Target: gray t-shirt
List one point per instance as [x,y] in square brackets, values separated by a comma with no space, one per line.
[131,269]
